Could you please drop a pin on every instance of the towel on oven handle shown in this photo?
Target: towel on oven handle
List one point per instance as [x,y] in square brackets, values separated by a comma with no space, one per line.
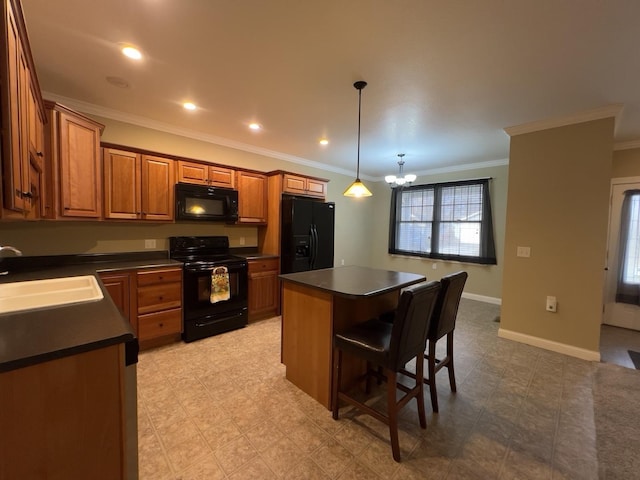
[220,290]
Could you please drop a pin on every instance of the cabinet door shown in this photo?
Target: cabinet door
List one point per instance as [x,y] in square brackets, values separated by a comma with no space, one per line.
[119,287]
[264,287]
[79,162]
[158,182]
[252,197]
[121,184]
[294,184]
[316,188]
[16,168]
[189,172]
[221,177]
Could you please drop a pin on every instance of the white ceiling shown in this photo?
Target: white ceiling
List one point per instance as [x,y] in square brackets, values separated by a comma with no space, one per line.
[445,77]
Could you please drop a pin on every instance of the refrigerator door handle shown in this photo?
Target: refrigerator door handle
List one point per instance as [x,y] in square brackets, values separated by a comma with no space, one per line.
[314,245]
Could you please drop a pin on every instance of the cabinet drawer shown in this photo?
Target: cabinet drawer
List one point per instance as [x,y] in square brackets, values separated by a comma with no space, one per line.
[163,296]
[159,324]
[150,277]
[264,265]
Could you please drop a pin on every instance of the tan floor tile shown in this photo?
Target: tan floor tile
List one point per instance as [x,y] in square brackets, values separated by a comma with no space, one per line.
[281,456]
[205,469]
[264,435]
[220,434]
[333,458]
[188,452]
[357,471]
[253,470]
[235,454]
[306,470]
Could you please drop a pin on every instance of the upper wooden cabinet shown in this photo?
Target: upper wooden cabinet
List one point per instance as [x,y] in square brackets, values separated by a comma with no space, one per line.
[308,186]
[72,153]
[202,174]
[138,187]
[22,118]
[252,197]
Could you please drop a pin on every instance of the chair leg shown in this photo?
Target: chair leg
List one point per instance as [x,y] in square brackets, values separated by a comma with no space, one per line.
[392,409]
[337,373]
[452,373]
[420,384]
[431,367]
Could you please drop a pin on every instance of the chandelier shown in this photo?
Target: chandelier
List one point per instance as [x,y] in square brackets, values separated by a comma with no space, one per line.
[401,179]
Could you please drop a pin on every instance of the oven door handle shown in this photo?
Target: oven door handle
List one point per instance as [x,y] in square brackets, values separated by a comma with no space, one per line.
[230,269]
[209,322]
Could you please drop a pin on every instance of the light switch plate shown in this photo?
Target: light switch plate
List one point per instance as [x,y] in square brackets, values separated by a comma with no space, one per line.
[523,252]
[150,243]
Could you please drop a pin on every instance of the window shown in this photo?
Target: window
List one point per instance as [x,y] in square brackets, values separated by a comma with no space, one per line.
[448,221]
[629,280]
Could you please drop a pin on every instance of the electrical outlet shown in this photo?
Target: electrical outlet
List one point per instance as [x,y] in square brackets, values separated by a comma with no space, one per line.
[523,252]
[342,262]
[242,241]
[552,304]
[150,243]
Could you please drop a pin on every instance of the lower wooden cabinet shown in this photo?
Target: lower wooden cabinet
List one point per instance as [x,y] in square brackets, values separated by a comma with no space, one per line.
[264,288]
[151,299]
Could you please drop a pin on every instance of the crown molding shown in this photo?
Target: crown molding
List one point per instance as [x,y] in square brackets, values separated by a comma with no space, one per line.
[626,145]
[92,109]
[612,110]
[97,110]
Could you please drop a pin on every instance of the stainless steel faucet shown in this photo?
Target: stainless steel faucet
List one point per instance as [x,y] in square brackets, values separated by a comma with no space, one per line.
[9,248]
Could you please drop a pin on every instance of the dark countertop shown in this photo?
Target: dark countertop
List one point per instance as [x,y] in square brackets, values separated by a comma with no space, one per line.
[354,281]
[256,256]
[34,336]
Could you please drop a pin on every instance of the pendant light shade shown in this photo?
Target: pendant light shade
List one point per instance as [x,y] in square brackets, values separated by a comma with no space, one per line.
[357,188]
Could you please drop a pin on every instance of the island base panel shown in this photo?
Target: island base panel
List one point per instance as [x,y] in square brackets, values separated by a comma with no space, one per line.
[309,319]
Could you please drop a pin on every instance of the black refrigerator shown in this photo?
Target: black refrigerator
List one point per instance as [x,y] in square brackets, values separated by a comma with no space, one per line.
[306,235]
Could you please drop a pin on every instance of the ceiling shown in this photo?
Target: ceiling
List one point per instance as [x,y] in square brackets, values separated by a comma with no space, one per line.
[444,78]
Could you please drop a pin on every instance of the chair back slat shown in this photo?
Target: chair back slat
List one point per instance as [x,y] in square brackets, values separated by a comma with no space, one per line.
[411,322]
[446,309]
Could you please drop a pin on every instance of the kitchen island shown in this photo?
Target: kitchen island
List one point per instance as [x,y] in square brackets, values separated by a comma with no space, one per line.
[317,303]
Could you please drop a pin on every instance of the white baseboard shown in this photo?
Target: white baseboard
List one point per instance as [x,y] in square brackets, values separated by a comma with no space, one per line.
[482,298]
[570,350]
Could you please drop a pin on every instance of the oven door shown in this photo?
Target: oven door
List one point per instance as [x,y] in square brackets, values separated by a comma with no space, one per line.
[197,291]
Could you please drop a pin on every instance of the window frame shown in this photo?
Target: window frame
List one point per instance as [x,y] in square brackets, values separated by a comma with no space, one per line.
[487,254]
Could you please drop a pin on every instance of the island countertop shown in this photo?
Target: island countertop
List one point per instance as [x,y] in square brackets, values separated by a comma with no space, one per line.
[354,281]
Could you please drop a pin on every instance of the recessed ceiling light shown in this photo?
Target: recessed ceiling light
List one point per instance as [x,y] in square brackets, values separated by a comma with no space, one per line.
[255,126]
[132,52]
[189,106]
[324,141]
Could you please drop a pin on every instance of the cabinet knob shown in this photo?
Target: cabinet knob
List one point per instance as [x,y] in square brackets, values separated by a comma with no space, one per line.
[40,154]
[160,297]
[161,324]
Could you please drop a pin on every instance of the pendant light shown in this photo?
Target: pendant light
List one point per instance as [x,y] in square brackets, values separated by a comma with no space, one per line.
[401,179]
[357,188]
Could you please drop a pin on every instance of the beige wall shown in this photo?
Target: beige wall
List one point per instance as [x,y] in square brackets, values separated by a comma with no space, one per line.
[626,163]
[484,280]
[557,201]
[56,238]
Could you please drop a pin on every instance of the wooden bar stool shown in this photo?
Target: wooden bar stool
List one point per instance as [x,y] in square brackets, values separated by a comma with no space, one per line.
[389,346]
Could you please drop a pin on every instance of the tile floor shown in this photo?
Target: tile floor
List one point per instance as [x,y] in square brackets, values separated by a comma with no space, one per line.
[615,343]
[221,408]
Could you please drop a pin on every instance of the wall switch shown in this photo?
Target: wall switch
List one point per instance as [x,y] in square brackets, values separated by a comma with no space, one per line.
[242,241]
[150,243]
[523,252]
[342,262]
[434,266]
[552,304]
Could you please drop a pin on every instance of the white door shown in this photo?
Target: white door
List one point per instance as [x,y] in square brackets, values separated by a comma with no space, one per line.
[617,314]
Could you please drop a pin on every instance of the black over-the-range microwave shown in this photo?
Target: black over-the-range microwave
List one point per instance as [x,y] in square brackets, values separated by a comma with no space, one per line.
[200,202]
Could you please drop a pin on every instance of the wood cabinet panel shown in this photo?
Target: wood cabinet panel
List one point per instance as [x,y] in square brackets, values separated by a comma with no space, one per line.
[158,192]
[264,288]
[252,197]
[203,174]
[160,324]
[64,418]
[301,185]
[159,305]
[122,184]
[79,162]
[151,277]
[119,287]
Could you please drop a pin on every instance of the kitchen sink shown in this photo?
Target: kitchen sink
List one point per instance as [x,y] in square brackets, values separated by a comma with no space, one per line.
[20,296]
